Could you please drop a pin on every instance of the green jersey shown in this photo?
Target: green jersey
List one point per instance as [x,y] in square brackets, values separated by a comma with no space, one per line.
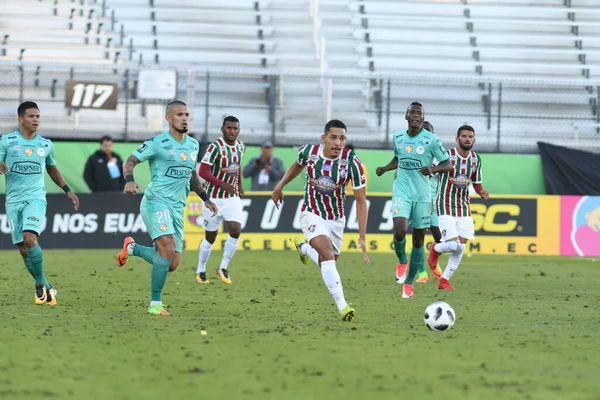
[171,166]
[26,160]
[413,154]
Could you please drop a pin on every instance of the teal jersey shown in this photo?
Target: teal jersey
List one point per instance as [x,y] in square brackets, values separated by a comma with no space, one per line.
[171,166]
[433,186]
[414,153]
[26,160]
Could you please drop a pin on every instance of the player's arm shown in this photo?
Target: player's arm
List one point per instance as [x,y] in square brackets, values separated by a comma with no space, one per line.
[3,167]
[477,182]
[293,171]
[443,167]
[362,215]
[196,187]
[391,166]
[439,152]
[240,182]
[130,186]
[57,178]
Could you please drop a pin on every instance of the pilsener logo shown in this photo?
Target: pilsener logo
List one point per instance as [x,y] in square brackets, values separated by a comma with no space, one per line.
[505,217]
[407,163]
[26,168]
[179,172]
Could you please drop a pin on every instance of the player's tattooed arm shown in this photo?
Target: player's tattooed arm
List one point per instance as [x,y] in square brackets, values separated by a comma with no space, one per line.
[130,186]
[196,187]
[391,166]
[57,178]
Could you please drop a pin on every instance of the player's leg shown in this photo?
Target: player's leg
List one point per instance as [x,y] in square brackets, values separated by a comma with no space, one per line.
[211,227]
[419,221]
[401,209]
[466,231]
[306,251]
[232,214]
[178,226]
[14,216]
[32,219]
[130,247]
[434,256]
[165,251]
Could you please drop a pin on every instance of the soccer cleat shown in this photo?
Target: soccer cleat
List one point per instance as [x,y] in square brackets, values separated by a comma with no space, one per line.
[445,285]
[407,291]
[40,294]
[433,257]
[158,309]
[423,277]
[298,242]
[123,256]
[224,275]
[51,296]
[401,273]
[437,272]
[347,314]
[201,278]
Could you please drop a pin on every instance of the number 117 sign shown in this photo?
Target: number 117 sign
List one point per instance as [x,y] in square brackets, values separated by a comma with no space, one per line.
[95,95]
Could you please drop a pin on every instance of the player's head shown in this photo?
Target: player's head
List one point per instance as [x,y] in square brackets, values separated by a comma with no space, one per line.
[415,115]
[427,126]
[334,138]
[230,129]
[29,116]
[106,144]
[178,115]
[465,137]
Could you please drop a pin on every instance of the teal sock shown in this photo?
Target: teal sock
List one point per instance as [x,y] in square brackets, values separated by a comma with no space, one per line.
[400,248]
[29,266]
[160,270]
[36,260]
[417,257]
[147,253]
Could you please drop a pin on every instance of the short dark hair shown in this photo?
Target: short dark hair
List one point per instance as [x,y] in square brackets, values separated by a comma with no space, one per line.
[428,123]
[175,103]
[350,146]
[465,128]
[105,138]
[230,118]
[335,123]
[26,106]
[415,103]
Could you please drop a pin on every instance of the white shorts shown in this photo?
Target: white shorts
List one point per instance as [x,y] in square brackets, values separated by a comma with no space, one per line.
[313,226]
[230,210]
[452,227]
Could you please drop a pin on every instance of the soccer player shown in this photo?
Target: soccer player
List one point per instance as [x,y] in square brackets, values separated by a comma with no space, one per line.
[220,167]
[172,157]
[23,156]
[329,168]
[414,151]
[454,204]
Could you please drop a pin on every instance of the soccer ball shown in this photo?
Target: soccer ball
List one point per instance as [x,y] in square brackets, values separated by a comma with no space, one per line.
[439,316]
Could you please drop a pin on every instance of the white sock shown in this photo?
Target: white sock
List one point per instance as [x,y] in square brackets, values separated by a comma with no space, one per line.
[447,247]
[153,303]
[130,247]
[230,247]
[453,261]
[332,280]
[203,254]
[307,250]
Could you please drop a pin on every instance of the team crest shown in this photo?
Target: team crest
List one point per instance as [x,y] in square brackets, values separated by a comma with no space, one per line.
[343,173]
[420,150]
[314,158]
[41,152]
[409,149]
[343,162]
[193,155]
[163,227]
[312,228]
[183,155]
[28,152]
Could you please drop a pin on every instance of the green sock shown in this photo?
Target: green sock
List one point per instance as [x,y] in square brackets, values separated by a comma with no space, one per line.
[36,260]
[147,253]
[417,256]
[421,265]
[400,248]
[160,270]
[29,267]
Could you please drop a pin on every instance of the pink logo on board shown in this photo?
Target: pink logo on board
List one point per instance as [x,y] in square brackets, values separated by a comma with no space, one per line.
[580,226]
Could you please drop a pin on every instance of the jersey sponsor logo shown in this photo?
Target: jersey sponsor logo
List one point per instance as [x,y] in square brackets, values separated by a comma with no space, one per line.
[193,155]
[176,172]
[183,155]
[409,149]
[420,150]
[26,168]
[324,184]
[343,162]
[163,227]
[165,140]
[232,169]
[28,152]
[41,152]
[461,181]
[410,164]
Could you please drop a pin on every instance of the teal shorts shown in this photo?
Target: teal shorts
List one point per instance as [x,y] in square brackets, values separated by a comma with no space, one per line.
[434,215]
[418,214]
[25,216]
[160,220]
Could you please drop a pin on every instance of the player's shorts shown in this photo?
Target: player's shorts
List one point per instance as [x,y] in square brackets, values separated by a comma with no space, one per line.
[452,227]
[25,216]
[434,215]
[230,210]
[313,226]
[161,219]
[418,213]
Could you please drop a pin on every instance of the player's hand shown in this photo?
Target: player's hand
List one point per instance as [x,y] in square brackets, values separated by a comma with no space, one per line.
[277,197]
[75,200]
[426,171]
[132,188]
[484,194]
[3,169]
[212,207]
[229,189]
[362,242]
[241,191]
[380,171]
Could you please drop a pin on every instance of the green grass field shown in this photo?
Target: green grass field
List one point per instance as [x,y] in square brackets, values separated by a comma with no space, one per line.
[526,329]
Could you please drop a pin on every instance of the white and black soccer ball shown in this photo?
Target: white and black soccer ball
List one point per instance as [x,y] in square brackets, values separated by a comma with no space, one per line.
[439,316]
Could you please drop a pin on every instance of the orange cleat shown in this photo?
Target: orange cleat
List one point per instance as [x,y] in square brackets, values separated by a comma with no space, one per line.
[445,285]
[123,256]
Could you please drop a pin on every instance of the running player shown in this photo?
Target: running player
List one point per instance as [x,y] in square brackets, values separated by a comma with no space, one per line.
[24,155]
[454,203]
[329,168]
[172,157]
[414,152]
[220,168]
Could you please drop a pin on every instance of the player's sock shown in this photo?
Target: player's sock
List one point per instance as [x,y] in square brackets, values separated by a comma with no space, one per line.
[145,252]
[203,254]
[400,248]
[332,280]
[230,247]
[422,267]
[29,267]
[453,261]
[307,250]
[447,247]
[160,270]
[417,256]
[36,261]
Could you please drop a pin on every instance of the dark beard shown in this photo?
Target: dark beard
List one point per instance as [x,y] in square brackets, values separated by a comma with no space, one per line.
[465,147]
[182,130]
